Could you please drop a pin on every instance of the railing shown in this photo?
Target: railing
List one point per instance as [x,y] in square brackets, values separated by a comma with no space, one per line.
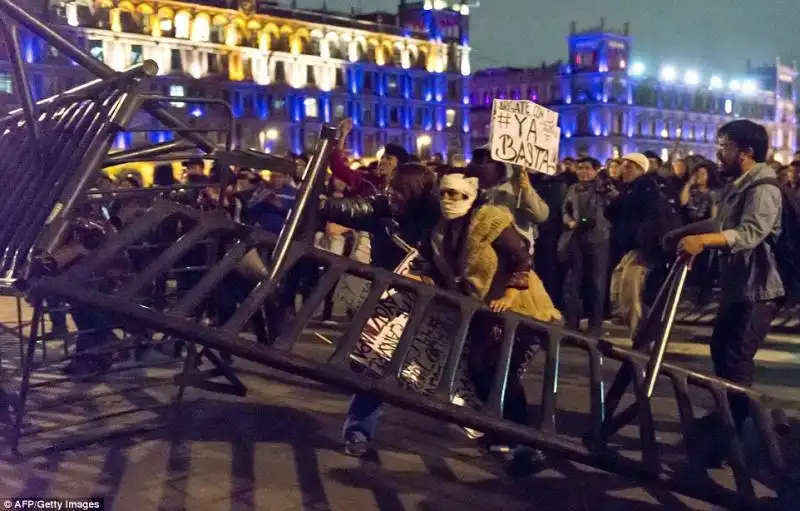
[639,369]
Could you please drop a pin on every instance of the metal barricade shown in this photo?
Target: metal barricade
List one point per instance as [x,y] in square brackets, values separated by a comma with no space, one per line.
[596,449]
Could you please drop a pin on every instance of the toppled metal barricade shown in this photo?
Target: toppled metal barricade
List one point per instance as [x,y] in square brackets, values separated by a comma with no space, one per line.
[597,449]
[103,108]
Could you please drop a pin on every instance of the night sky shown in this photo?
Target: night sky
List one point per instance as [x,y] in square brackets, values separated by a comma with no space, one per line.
[710,35]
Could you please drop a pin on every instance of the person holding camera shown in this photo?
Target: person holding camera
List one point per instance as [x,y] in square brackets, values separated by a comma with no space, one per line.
[584,245]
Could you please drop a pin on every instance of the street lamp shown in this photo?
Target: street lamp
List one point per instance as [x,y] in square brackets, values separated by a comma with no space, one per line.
[638,69]
[691,77]
[669,74]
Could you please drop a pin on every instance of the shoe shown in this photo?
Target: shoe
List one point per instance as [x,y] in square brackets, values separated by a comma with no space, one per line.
[525,461]
[356,444]
[712,445]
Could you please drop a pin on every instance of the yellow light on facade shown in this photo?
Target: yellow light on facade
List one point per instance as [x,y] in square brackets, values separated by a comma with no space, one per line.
[114,19]
[296,46]
[273,134]
[231,35]
[424,140]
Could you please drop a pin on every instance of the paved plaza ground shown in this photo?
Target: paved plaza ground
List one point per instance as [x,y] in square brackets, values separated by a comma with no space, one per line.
[278,449]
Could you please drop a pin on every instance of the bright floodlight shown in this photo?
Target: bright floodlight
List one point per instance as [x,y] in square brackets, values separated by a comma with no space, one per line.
[716,82]
[735,85]
[749,87]
[272,134]
[691,78]
[669,74]
[637,69]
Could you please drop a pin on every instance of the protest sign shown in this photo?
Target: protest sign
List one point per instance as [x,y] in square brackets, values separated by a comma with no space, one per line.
[525,134]
[426,360]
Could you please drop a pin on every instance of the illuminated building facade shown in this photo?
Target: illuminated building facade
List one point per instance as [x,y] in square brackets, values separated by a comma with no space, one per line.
[403,77]
[609,105]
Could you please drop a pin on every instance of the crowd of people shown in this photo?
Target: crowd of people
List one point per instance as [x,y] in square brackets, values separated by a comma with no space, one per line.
[593,241]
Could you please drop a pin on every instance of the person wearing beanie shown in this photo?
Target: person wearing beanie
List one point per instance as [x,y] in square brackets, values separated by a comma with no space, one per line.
[640,216]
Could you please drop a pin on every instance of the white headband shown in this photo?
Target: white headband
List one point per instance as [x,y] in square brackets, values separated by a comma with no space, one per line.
[460,183]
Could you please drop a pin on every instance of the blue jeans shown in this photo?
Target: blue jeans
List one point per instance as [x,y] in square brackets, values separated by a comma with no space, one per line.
[362,416]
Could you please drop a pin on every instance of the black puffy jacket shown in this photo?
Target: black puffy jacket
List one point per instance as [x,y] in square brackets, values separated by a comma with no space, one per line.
[374,216]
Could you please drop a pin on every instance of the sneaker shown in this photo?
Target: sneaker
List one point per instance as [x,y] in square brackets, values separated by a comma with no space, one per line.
[356,444]
[525,461]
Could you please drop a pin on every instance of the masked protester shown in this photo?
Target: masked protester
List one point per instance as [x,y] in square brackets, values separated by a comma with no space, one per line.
[477,251]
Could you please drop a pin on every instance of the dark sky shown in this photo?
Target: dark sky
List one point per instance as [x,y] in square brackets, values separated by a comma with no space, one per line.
[710,35]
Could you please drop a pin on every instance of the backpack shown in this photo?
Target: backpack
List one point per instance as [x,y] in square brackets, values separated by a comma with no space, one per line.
[787,245]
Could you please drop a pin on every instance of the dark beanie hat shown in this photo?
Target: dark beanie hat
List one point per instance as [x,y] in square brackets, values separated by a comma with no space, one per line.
[398,152]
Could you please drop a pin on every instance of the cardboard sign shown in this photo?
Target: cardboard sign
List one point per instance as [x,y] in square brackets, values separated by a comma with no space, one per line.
[427,357]
[525,134]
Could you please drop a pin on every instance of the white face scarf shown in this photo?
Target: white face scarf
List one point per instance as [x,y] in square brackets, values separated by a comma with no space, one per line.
[456,207]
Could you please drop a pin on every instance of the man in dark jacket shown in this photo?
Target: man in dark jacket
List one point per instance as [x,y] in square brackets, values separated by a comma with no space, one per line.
[640,216]
[584,246]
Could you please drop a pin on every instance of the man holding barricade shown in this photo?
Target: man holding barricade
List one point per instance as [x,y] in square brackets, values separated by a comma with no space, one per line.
[745,232]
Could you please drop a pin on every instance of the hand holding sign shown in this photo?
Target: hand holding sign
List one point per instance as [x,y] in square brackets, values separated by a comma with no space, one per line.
[525,134]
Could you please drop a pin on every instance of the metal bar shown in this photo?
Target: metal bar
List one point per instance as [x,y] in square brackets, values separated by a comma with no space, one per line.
[686,415]
[316,173]
[330,374]
[260,293]
[657,359]
[550,382]
[595,397]
[140,228]
[417,316]
[88,89]
[735,450]
[211,279]
[21,81]
[170,256]
[26,222]
[145,153]
[497,394]
[329,279]
[93,65]
[54,230]
[647,429]
[353,333]
[27,369]
[641,340]
[209,101]
[445,389]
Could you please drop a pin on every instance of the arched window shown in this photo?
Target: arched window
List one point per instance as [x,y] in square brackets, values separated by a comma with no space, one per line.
[183,25]
[201,28]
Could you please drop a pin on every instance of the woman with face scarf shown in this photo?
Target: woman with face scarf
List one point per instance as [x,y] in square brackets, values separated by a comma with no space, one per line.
[477,251]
